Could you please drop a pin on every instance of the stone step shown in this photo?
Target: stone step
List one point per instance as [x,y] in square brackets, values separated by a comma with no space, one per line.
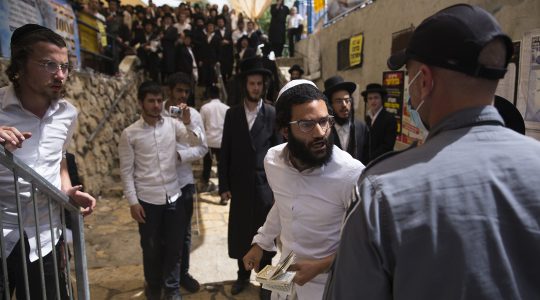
[112,190]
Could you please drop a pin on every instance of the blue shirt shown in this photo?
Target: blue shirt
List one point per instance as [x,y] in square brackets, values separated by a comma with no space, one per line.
[456,218]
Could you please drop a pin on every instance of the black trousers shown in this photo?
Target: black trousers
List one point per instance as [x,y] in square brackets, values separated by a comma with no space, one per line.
[207,163]
[16,278]
[186,200]
[293,34]
[162,238]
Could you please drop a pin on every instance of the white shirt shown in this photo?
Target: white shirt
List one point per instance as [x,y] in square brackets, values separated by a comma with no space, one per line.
[294,21]
[309,209]
[213,117]
[237,34]
[373,117]
[43,152]
[181,27]
[189,153]
[148,158]
[343,132]
[252,115]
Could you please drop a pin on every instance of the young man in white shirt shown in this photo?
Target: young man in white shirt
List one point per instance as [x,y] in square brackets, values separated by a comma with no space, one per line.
[149,154]
[180,86]
[312,181]
[213,117]
[294,29]
[36,125]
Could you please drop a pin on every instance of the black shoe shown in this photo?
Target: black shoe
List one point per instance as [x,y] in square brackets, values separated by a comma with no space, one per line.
[189,283]
[239,285]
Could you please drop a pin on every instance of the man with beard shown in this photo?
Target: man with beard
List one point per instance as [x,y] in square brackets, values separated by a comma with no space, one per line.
[296,72]
[149,152]
[36,126]
[349,134]
[312,181]
[248,133]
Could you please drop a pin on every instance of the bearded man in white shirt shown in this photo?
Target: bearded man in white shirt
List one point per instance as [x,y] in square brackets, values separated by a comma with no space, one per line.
[36,125]
[149,153]
[312,181]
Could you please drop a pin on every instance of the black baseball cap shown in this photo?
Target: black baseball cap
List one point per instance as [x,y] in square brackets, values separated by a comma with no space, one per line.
[453,39]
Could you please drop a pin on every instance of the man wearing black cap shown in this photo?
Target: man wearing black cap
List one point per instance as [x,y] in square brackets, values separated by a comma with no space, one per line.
[147,51]
[455,218]
[248,133]
[168,44]
[382,125]
[296,72]
[208,55]
[36,126]
[226,49]
[348,134]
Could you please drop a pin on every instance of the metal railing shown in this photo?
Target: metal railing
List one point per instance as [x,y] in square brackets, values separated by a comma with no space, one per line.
[42,190]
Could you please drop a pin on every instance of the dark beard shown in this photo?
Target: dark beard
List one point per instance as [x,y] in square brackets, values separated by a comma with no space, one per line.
[251,99]
[340,120]
[301,152]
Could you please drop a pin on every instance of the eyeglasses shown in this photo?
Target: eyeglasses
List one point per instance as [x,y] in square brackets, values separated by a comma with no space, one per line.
[308,125]
[53,67]
[342,101]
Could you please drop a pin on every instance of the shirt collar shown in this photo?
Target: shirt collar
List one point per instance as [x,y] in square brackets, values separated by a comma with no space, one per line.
[10,99]
[146,125]
[259,105]
[467,118]
[373,117]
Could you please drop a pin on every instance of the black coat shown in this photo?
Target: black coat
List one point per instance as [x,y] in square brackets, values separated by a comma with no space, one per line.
[241,171]
[168,44]
[356,149]
[276,32]
[381,135]
[226,51]
[184,61]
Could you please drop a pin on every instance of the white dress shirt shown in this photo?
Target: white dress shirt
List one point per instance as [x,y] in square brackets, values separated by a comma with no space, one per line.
[189,153]
[374,116]
[251,115]
[294,21]
[237,34]
[43,152]
[343,132]
[148,159]
[213,117]
[309,209]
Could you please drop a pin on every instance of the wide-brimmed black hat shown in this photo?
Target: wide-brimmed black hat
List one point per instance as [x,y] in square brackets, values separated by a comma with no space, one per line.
[336,83]
[510,114]
[253,65]
[374,88]
[296,67]
[453,39]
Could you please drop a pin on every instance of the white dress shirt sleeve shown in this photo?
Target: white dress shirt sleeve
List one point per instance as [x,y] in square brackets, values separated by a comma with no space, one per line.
[189,152]
[127,163]
[269,231]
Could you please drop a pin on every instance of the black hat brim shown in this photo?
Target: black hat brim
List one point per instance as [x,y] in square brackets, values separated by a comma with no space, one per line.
[263,72]
[347,86]
[510,114]
[383,92]
[397,60]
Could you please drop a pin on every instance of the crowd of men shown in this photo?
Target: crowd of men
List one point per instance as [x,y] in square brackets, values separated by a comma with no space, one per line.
[453,218]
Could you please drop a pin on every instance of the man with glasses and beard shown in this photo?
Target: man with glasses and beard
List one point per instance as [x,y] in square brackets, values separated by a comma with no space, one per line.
[349,134]
[312,181]
[248,133]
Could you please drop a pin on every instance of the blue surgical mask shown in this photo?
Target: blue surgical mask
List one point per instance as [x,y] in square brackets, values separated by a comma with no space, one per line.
[415,115]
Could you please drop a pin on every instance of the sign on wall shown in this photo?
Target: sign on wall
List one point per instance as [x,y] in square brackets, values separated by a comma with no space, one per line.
[57,15]
[393,83]
[350,52]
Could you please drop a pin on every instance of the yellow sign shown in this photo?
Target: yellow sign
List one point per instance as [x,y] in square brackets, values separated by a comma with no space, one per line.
[355,50]
[318,5]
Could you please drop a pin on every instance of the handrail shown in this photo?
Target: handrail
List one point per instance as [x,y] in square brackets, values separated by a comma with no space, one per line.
[109,111]
[21,170]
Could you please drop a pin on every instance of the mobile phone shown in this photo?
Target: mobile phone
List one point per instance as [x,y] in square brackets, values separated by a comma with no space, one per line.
[175,111]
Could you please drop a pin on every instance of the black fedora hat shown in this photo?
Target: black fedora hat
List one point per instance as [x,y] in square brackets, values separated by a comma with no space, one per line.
[253,65]
[511,116]
[296,67]
[336,83]
[374,88]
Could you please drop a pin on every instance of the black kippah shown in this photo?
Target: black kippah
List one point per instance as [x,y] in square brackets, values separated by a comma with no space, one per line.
[25,30]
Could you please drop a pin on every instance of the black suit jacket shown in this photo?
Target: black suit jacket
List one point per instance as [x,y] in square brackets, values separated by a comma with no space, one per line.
[382,135]
[184,61]
[357,140]
[241,171]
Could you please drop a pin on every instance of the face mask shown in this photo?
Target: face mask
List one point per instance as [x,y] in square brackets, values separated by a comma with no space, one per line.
[415,115]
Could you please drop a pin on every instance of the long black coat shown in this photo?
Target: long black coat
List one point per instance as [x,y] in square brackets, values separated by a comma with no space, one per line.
[241,171]
[276,32]
[356,149]
[168,44]
[381,135]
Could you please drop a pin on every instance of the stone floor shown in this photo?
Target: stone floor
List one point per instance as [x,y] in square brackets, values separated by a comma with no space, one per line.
[115,260]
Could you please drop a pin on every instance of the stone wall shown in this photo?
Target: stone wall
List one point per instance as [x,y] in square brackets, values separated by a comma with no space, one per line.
[381,19]
[93,94]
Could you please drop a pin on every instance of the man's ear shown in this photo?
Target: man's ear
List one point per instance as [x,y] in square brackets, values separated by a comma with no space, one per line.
[285,132]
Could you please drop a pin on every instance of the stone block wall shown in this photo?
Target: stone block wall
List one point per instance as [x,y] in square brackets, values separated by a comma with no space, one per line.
[93,94]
